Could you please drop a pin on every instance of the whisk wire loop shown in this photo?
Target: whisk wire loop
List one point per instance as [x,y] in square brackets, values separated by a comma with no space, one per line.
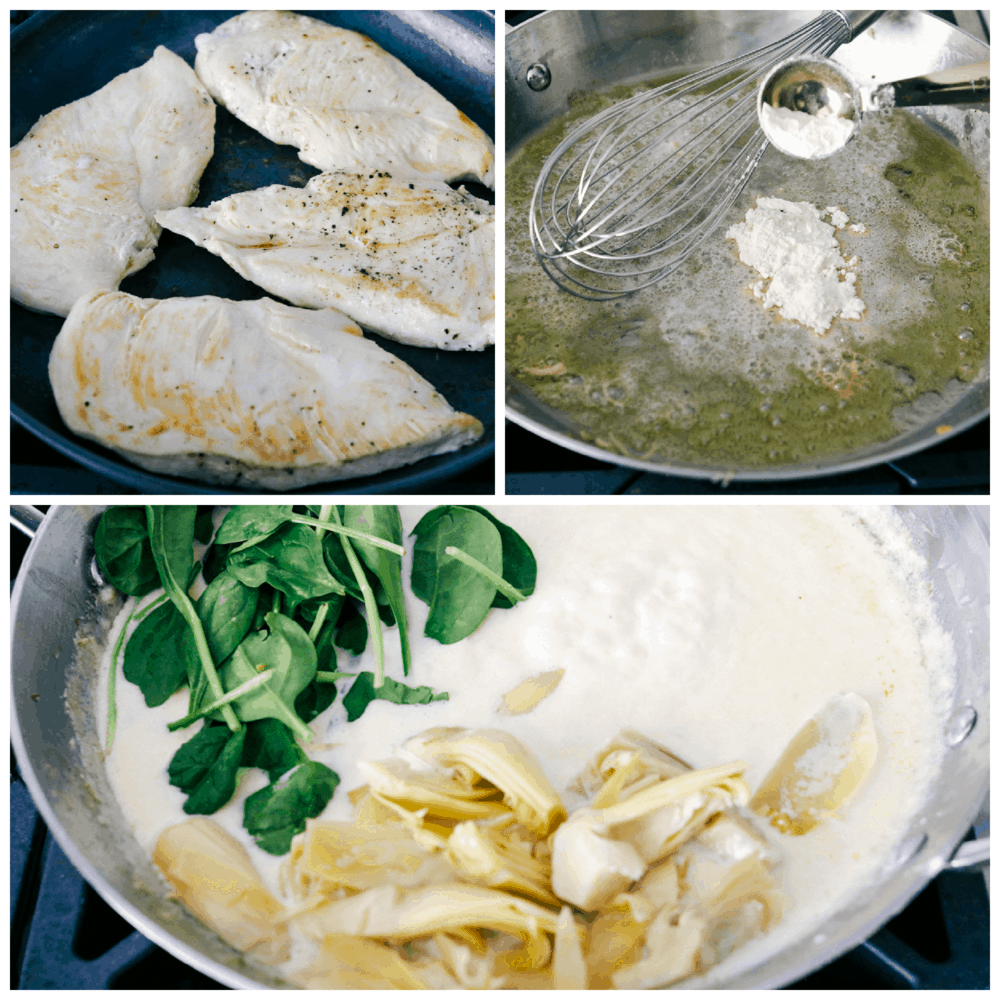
[628,195]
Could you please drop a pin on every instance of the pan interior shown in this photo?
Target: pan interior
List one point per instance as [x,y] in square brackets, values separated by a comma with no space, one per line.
[695,371]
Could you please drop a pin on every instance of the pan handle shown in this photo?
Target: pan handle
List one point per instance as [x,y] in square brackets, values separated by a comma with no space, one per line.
[26,518]
[972,856]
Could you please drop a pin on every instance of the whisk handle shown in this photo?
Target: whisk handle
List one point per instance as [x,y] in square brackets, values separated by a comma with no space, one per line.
[856,21]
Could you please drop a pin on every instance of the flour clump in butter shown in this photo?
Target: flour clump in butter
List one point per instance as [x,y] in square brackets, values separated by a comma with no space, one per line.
[790,243]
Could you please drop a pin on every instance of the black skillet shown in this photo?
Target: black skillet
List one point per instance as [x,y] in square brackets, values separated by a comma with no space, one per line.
[59,57]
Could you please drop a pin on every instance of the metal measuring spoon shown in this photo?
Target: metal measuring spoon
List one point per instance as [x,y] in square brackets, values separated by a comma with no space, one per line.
[810,107]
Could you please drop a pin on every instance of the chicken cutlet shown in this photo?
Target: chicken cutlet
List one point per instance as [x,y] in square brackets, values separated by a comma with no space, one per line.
[411,260]
[252,393]
[87,178]
[338,97]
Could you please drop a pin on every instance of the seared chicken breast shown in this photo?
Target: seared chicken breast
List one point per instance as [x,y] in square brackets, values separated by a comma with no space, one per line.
[412,260]
[251,393]
[87,178]
[338,97]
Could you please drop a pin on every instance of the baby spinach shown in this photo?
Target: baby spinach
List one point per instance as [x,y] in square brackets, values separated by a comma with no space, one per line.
[291,560]
[352,630]
[226,608]
[286,649]
[258,649]
[363,692]
[371,607]
[271,746]
[459,596]
[204,524]
[519,566]
[124,554]
[315,699]
[215,560]
[160,656]
[205,768]
[383,521]
[171,536]
[277,813]
[250,521]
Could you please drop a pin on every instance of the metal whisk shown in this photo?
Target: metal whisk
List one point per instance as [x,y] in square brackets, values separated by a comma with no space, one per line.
[628,195]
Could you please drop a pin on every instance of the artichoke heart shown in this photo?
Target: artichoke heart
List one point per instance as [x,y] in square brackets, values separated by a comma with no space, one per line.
[351,963]
[445,796]
[493,856]
[337,855]
[497,757]
[213,875]
[597,853]
[394,914]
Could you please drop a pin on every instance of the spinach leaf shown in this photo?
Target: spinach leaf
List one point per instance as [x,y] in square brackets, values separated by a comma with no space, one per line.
[326,653]
[226,609]
[423,574]
[250,521]
[338,565]
[271,746]
[203,524]
[277,813]
[205,768]
[291,560]
[160,655]
[124,555]
[315,699]
[460,597]
[520,569]
[215,560]
[171,536]
[352,630]
[287,650]
[308,610]
[363,692]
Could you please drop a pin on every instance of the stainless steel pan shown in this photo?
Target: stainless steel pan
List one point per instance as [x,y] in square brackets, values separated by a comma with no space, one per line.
[60,616]
[585,50]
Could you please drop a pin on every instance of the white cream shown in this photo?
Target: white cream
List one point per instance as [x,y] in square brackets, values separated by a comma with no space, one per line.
[716,631]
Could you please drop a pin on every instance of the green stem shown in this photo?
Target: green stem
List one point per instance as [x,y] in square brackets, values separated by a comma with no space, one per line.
[176,592]
[324,515]
[374,622]
[237,692]
[498,581]
[340,529]
[331,675]
[134,616]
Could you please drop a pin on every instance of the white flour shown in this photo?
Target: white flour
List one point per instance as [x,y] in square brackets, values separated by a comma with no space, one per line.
[788,242]
[808,136]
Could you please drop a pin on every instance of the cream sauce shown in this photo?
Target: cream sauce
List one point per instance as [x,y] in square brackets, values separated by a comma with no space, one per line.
[716,631]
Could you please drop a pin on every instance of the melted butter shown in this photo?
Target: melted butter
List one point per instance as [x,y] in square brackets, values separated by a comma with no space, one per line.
[694,370]
[715,631]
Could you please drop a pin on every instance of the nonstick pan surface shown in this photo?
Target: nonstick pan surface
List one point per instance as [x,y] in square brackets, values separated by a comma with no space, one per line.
[59,57]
